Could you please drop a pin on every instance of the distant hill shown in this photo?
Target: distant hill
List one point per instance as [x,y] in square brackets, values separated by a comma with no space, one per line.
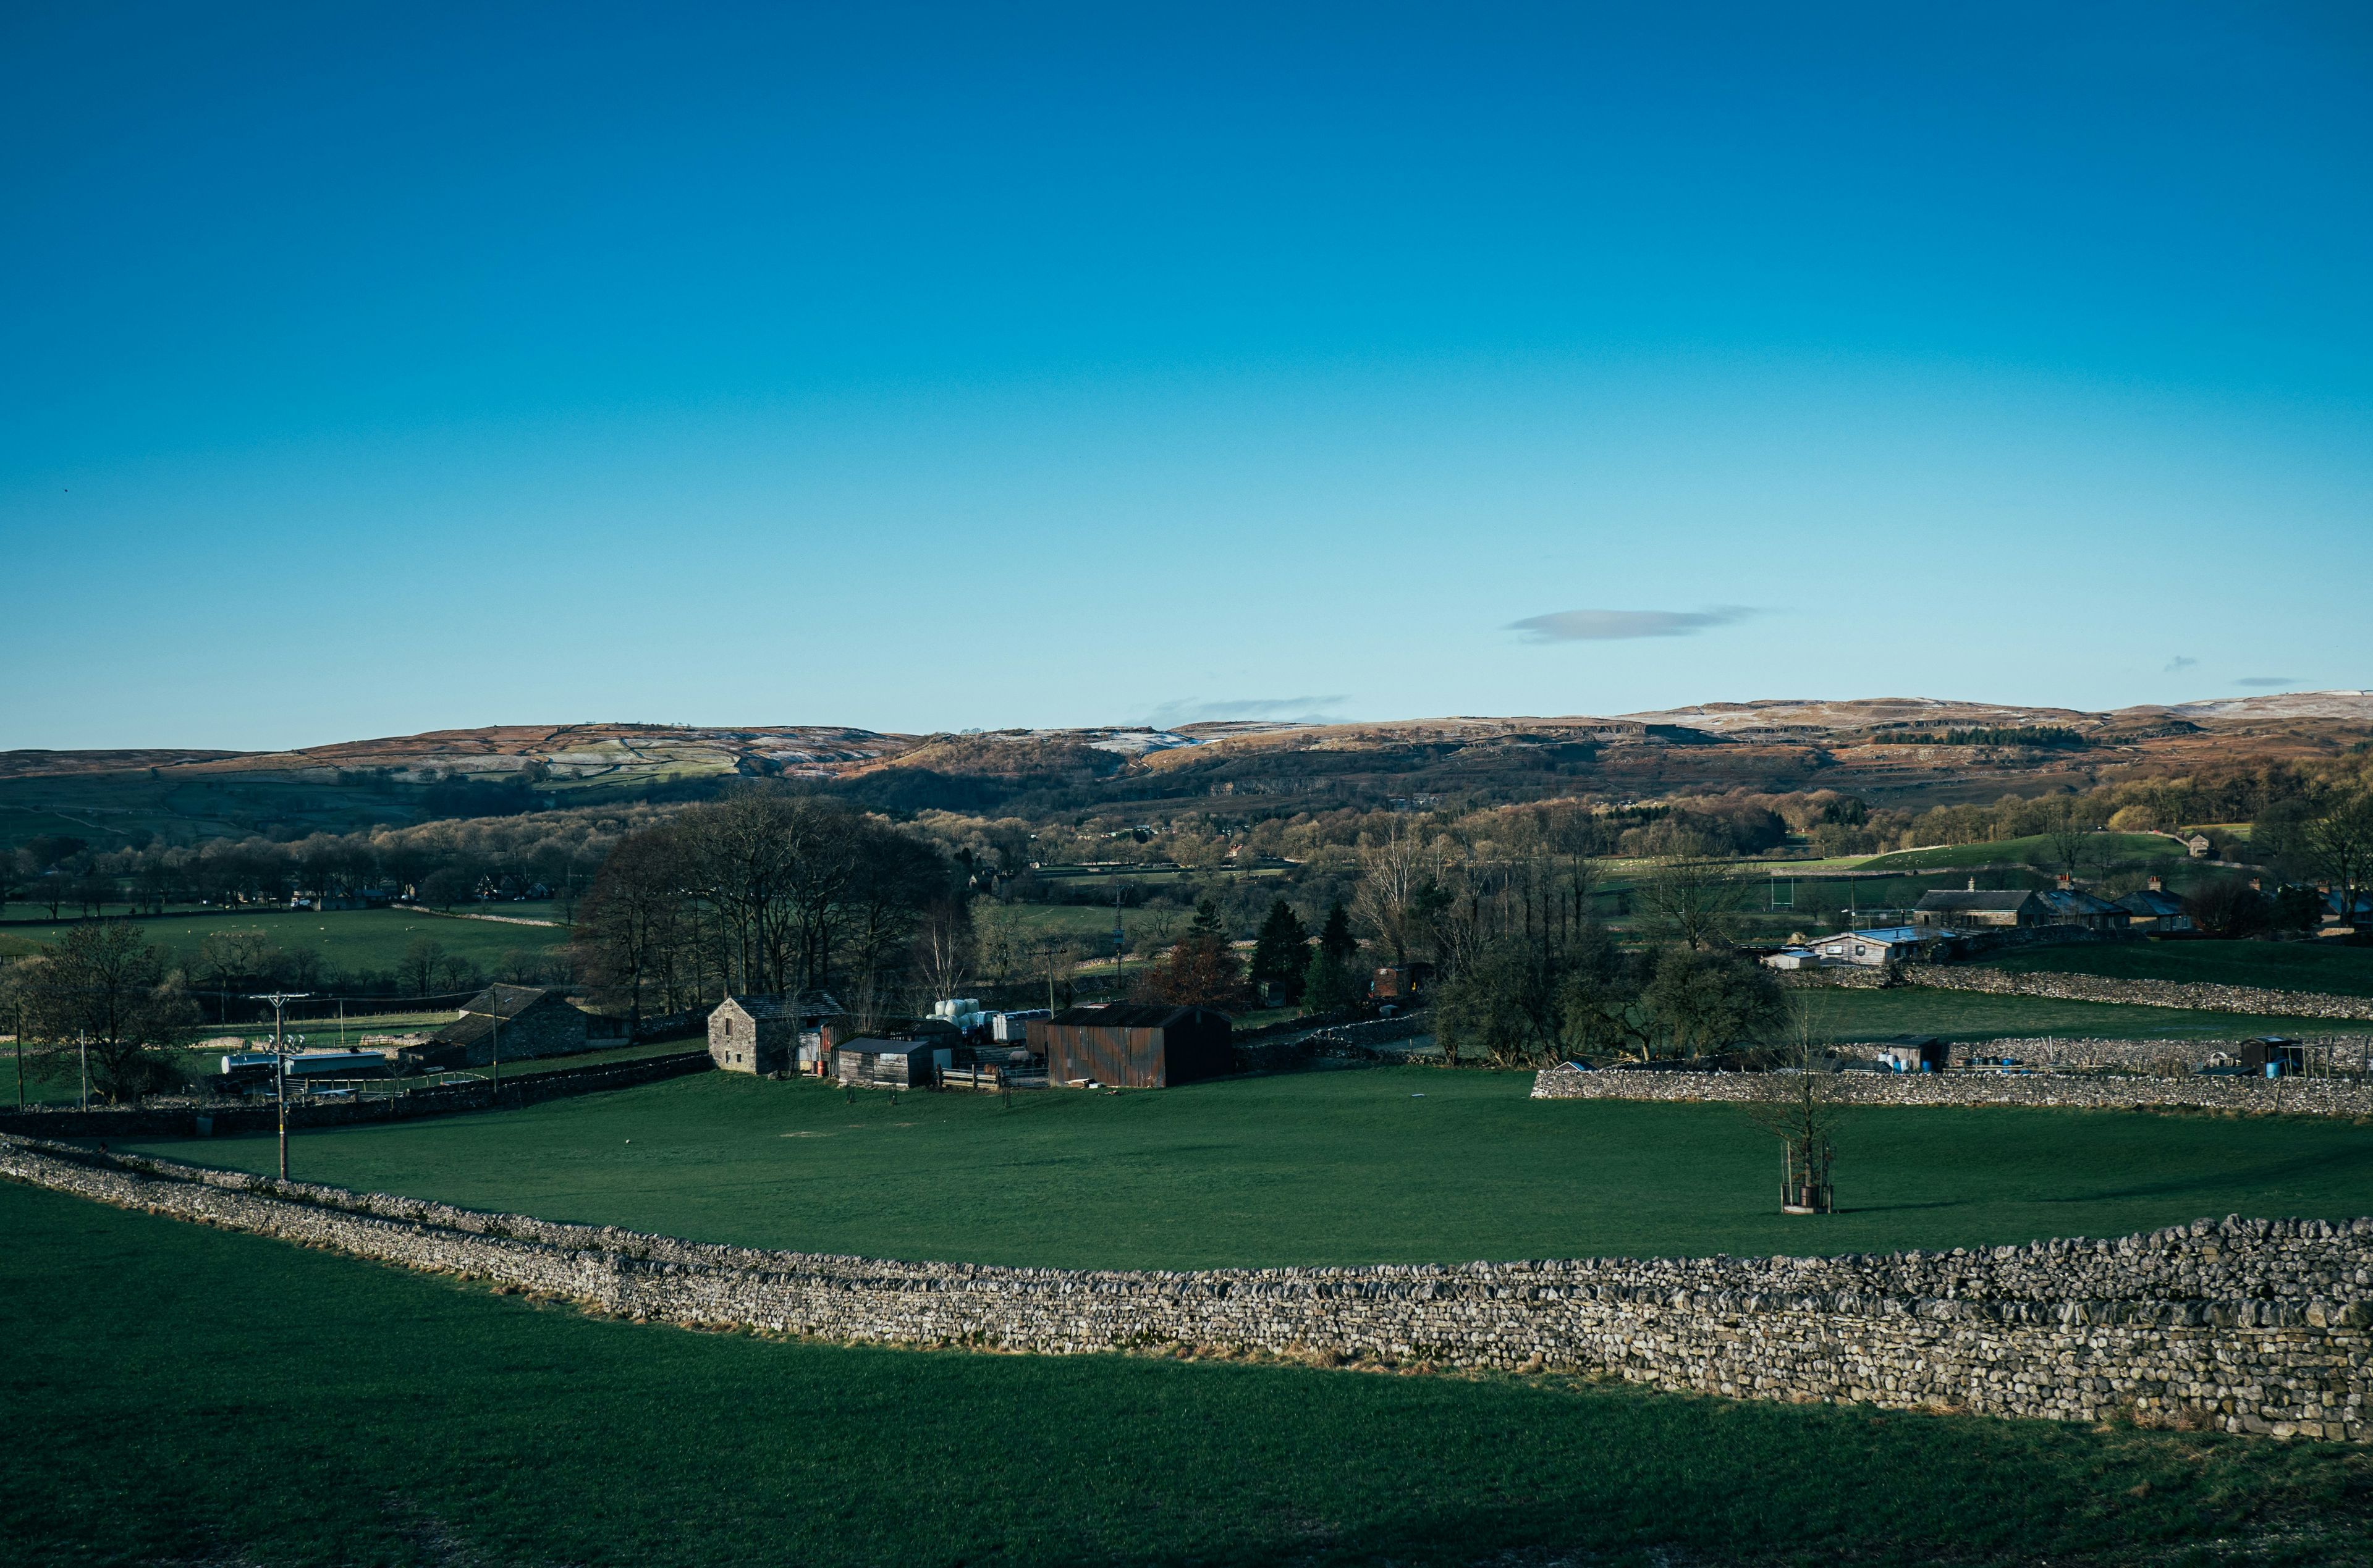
[1891,750]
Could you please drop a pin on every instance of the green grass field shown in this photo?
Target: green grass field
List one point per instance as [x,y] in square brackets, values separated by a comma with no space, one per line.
[1971,1015]
[1379,1165]
[346,939]
[2280,966]
[200,1397]
[2037,850]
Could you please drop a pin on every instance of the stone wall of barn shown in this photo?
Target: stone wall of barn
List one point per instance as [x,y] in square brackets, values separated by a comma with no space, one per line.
[2250,1326]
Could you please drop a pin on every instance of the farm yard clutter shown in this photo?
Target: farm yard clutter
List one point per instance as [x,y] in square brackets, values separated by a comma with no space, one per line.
[2247,1326]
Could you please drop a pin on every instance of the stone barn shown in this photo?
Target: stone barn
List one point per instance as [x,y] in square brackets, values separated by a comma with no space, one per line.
[754,1034]
[1976,909]
[1134,1045]
[519,1021]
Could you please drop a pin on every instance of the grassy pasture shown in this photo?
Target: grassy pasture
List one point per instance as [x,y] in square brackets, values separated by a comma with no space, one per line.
[347,939]
[1382,1165]
[2038,850]
[401,1418]
[2282,966]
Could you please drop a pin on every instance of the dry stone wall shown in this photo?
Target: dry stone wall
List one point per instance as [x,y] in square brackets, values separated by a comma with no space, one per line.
[2141,992]
[2327,1053]
[218,1118]
[2246,1325]
[2290,1097]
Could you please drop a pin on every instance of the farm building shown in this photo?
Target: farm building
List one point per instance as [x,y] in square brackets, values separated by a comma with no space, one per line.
[518,1021]
[2068,904]
[1134,1045]
[890,1063]
[2155,909]
[1877,949]
[1915,1053]
[2272,1056]
[1973,909]
[754,1034]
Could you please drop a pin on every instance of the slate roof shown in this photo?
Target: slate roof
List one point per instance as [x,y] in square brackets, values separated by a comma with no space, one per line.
[775,1009]
[1950,900]
[2151,904]
[504,1001]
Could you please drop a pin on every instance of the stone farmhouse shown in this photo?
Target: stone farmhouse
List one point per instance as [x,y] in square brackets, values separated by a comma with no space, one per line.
[765,1034]
[2155,909]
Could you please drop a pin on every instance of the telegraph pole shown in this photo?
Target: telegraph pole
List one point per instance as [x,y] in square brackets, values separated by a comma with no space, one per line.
[280,1000]
[1120,939]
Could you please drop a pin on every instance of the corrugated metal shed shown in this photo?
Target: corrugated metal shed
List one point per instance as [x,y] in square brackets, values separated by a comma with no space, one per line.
[1134,1045]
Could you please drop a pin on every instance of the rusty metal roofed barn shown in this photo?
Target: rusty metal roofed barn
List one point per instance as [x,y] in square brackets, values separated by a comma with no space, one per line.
[1134,1045]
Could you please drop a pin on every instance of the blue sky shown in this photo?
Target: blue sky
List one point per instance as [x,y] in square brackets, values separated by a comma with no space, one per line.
[375,370]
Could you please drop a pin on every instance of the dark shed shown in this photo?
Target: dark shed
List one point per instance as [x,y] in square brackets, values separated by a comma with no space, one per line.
[1915,1053]
[2273,1056]
[1134,1045]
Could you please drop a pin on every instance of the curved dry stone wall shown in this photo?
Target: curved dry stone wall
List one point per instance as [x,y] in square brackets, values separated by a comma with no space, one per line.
[2327,1053]
[2141,992]
[2300,1096]
[2245,1325]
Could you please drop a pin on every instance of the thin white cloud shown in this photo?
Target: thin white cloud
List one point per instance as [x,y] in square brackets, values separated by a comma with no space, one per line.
[2179,662]
[1620,626]
[1292,710]
[2267,680]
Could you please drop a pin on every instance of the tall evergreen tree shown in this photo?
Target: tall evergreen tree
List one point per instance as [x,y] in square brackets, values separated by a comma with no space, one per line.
[1281,955]
[1335,938]
[1206,926]
[1332,981]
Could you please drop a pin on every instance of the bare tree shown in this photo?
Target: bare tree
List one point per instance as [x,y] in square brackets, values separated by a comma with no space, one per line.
[1798,1102]
[2338,842]
[998,941]
[1394,872]
[2067,831]
[1692,900]
[104,985]
[945,951]
[636,940]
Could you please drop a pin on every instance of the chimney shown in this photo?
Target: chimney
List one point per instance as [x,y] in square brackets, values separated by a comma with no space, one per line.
[2154,886]
[1973,884]
[2253,886]
[2064,881]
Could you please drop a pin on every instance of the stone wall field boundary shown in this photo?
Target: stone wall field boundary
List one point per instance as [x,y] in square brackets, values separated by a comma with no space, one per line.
[2290,1097]
[2245,1325]
[2198,997]
[223,1118]
[2327,1053]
